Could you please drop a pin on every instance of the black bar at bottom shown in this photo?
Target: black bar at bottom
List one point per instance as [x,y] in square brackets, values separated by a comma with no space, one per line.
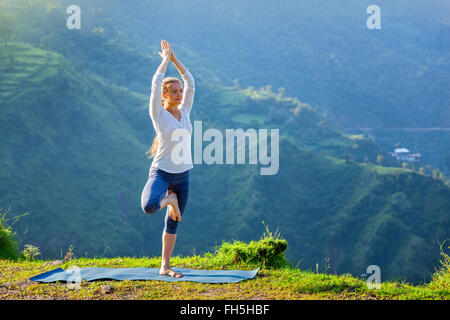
[222,309]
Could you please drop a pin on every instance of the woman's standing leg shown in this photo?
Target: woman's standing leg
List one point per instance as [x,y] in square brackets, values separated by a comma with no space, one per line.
[181,188]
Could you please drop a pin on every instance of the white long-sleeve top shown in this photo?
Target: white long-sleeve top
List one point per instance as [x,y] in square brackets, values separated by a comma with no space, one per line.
[174,137]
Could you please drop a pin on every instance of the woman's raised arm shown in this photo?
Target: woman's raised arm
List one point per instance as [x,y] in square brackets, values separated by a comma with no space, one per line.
[155,106]
[189,84]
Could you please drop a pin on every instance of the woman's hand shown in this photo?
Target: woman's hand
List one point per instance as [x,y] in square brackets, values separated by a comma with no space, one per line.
[166,51]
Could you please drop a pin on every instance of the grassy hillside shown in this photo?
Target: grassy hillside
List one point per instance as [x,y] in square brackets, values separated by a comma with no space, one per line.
[76,126]
[275,281]
[65,132]
[354,214]
[78,148]
[433,146]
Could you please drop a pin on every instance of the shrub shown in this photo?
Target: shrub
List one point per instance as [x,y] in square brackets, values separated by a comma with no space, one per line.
[8,243]
[268,252]
[441,278]
[30,252]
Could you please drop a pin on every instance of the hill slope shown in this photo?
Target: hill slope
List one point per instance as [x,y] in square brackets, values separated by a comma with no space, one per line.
[74,155]
[63,135]
[73,151]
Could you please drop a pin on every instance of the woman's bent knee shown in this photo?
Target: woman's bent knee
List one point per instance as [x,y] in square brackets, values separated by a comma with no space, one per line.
[151,208]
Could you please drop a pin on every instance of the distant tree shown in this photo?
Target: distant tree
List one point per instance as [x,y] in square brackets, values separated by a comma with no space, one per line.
[435,174]
[380,159]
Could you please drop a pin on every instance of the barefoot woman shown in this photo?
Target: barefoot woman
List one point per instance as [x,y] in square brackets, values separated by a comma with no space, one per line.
[168,180]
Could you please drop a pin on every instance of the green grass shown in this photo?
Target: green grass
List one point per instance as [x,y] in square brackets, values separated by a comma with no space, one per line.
[275,280]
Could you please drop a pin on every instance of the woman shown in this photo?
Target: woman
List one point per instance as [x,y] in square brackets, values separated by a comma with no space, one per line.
[168,180]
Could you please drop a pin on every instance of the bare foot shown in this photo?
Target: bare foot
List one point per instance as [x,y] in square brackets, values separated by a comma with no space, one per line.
[170,272]
[172,213]
[174,210]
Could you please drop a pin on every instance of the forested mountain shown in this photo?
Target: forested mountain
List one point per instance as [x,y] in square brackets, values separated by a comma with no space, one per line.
[75,127]
[392,81]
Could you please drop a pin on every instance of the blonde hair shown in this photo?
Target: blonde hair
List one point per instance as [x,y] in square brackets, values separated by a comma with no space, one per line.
[165,86]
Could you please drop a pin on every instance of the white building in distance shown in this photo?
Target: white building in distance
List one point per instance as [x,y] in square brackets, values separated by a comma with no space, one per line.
[403,154]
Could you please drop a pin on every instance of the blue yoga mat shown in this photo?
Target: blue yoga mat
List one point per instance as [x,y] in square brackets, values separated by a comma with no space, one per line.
[89,274]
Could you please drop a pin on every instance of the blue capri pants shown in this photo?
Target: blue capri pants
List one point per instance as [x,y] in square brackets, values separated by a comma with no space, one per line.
[158,184]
